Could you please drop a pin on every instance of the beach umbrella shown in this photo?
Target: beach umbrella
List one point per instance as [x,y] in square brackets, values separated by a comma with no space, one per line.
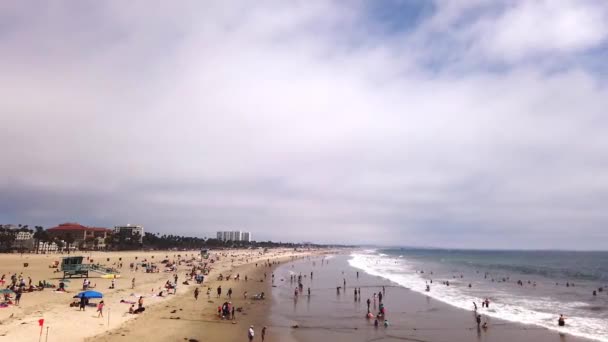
[89,294]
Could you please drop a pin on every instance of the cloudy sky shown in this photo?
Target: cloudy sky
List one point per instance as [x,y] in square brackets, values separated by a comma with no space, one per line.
[456,123]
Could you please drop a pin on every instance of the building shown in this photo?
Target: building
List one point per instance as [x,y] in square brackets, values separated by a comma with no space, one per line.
[234,236]
[131,229]
[83,236]
[47,247]
[246,237]
[24,235]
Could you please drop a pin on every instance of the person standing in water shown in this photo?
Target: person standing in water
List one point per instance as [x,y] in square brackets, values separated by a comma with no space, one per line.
[561,321]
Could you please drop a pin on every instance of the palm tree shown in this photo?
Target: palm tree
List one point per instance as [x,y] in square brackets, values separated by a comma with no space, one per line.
[89,241]
[59,243]
[108,241]
[69,240]
[40,235]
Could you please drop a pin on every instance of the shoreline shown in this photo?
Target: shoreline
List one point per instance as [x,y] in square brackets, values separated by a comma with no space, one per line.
[413,316]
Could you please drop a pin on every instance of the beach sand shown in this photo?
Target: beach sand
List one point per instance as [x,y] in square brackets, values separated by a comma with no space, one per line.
[325,316]
[198,320]
[64,323]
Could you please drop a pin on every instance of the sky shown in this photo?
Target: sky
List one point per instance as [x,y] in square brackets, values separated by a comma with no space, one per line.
[456,123]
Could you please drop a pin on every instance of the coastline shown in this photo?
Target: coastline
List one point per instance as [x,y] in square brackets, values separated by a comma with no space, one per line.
[327,315]
[322,316]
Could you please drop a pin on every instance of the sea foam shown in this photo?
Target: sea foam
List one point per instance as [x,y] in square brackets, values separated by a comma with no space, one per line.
[402,272]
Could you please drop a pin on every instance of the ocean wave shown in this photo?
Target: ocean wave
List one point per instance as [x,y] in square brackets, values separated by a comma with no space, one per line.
[519,311]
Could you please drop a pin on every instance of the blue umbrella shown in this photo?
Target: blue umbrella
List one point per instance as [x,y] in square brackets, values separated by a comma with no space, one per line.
[89,294]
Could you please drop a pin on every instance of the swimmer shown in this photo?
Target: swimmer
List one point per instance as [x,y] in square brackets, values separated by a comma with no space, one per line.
[561,321]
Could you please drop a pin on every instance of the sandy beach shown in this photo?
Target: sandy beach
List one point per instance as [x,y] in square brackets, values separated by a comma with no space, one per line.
[325,315]
[65,323]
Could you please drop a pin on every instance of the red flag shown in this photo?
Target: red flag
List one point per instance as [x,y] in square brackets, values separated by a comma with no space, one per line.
[41,322]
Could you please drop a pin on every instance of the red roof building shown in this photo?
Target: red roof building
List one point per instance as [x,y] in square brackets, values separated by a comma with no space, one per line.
[80,233]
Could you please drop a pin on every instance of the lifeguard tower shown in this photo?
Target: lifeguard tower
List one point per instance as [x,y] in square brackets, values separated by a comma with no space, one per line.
[71,266]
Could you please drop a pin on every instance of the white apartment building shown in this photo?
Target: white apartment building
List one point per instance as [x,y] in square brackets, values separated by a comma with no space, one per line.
[132,229]
[24,236]
[246,237]
[47,247]
[234,236]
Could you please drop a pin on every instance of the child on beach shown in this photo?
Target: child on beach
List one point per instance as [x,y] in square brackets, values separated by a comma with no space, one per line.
[100,309]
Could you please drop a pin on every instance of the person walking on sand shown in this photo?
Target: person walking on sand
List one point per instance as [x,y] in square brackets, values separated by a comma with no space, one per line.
[219,291]
[133,283]
[83,303]
[18,297]
[478,319]
[263,333]
[250,333]
[230,293]
[196,293]
[100,309]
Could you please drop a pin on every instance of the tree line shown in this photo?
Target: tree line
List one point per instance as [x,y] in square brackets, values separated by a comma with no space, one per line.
[125,240]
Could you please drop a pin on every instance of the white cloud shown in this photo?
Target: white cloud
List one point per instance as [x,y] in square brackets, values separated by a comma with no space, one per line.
[269,117]
[530,29]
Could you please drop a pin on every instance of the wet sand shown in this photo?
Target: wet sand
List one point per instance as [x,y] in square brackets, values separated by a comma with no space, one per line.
[327,316]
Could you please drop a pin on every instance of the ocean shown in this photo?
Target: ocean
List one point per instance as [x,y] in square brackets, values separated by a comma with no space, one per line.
[530,287]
